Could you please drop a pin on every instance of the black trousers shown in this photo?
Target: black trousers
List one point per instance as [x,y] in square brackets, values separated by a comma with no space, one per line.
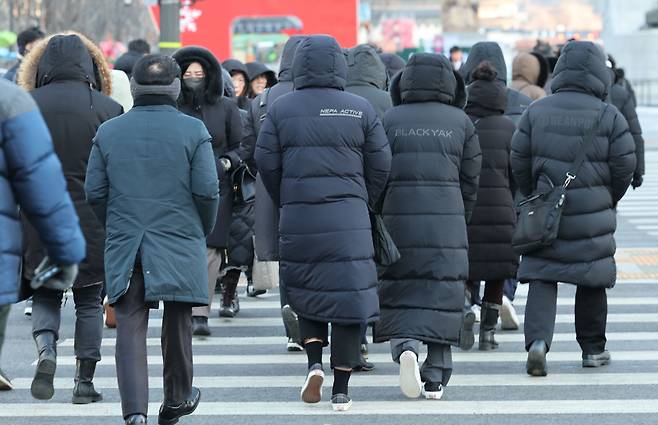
[46,317]
[591,313]
[345,341]
[132,315]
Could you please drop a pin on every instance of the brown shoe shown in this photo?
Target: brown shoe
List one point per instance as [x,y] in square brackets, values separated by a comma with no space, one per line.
[110,317]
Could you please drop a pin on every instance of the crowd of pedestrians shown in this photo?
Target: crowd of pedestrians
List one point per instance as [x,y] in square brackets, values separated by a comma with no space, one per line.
[166,179]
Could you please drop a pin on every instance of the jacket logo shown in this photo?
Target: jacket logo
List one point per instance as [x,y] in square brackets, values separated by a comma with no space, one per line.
[423,132]
[331,112]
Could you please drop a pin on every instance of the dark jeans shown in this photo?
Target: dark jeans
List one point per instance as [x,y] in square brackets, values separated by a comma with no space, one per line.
[510,288]
[4,316]
[132,315]
[345,341]
[591,313]
[46,316]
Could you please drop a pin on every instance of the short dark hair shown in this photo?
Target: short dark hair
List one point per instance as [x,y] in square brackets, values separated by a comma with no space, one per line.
[454,49]
[156,70]
[139,46]
[28,36]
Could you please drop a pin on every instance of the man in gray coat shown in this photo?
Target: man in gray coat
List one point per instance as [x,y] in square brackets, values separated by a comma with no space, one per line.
[152,180]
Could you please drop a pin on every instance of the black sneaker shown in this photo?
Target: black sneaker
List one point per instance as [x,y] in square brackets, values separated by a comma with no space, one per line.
[235,304]
[294,346]
[200,326]
[466,335]
[251,292]
[312,389]
[291,324]
[364,366]
[341,402]
[433,391]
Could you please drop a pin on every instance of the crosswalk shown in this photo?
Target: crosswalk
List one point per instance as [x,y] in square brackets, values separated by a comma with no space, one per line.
[246,375]
[244,371]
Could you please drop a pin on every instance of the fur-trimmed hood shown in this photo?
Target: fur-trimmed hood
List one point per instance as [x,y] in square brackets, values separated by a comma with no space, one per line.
[65,56]
[214,88]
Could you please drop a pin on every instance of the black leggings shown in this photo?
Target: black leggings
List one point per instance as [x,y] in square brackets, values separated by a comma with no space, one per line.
[345,341]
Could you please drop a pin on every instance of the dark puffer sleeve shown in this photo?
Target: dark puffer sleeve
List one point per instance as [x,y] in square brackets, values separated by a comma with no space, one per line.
[628,110]
[621,157]
[469,171]
[268,158]
[521,156]
[376,158]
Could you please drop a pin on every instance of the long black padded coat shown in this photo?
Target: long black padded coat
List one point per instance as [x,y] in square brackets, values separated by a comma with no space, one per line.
[491,52]
[544,147]
[323,156]
[490,253]
[430,195]
[222,119]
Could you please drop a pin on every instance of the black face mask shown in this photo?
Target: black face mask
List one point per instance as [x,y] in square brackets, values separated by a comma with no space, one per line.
[194,84]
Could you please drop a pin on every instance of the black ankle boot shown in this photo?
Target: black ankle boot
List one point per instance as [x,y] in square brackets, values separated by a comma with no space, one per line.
[229,287]
[42,386]
[488,322]
[84,391]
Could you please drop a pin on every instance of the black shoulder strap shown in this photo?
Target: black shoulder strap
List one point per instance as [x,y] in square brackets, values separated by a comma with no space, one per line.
[588,139]
[262,105]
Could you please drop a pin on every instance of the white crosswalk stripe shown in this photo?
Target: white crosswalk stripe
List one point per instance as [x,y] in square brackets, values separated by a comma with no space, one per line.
[242,363]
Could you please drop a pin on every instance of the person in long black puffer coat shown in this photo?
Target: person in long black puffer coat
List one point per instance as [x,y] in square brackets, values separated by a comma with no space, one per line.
[324,158]
[490,254]
[550,134]
[202,97]
[430,196]
[70,81]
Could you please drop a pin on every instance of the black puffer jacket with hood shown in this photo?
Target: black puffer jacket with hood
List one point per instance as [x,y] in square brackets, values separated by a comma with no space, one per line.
[70,81]
[430,195]
[222,119]
[234,66]
[545,145]
[490,252]
[323,157]
[367,77]
[490,51]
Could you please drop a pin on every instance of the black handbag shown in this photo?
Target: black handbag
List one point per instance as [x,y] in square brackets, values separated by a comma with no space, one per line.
[539,215]
[244,185]
[386,253]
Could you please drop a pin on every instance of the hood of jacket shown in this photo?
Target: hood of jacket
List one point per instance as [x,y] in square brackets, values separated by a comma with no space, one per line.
[234,65]
[121,89]
[486,98]
[67,56]
[581,67]
[214,88]
[288,55]
[392,62]
[364,67]
[485,51]
[319,62]
[254,69]
[531,68]
[428,77]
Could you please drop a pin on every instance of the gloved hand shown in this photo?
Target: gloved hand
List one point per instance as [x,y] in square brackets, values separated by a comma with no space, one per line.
[52,276]
[637,181]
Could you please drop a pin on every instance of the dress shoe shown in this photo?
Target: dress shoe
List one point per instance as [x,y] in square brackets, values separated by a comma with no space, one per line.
[170,415]
[138,419]
[536,365]
[596,360]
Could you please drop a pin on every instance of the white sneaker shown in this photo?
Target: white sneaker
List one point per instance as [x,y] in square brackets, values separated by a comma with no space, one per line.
[476,310]
[434,393]
[341,402]
[410,382]
[312,389]
[509,321]
[294,346]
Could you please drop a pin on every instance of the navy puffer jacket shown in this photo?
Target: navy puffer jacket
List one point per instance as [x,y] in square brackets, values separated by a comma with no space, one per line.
[544,147]
[323,156]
